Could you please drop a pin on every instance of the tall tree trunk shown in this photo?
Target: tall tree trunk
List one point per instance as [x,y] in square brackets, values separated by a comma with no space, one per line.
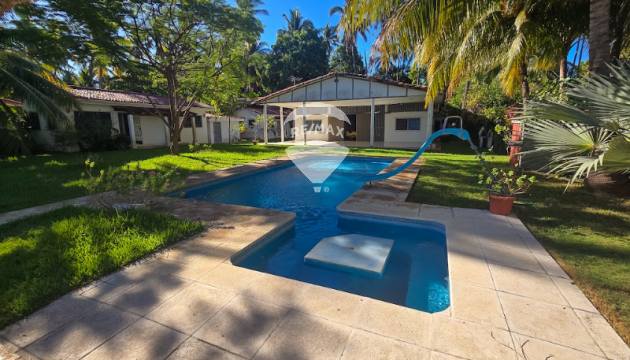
[174,120]
[599,36]
[524,80]
[619,13]
[100,77]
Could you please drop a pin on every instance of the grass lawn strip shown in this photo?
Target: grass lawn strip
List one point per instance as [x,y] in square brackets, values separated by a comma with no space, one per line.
[45,256]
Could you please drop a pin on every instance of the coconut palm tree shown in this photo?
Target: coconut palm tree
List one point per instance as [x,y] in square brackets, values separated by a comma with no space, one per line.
[455,39]
[295,21]
[350,33]
[250,6]
[329,34]
[578,141]
[255,62]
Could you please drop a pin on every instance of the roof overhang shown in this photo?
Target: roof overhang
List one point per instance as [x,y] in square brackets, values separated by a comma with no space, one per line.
[342,89]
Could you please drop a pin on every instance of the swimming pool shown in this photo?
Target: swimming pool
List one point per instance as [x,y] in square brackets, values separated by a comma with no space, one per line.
[416,274]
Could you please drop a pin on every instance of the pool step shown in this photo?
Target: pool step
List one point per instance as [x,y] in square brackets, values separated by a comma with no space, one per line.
[357,254]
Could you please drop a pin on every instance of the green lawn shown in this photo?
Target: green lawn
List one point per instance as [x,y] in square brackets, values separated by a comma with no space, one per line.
[43,179]
[589,235]
[45,256]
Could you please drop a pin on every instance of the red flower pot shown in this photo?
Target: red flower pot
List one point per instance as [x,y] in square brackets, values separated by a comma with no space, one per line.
[501,205]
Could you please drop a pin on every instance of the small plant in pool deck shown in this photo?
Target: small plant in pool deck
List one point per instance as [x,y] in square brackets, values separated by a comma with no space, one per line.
[136,187]
[504,185]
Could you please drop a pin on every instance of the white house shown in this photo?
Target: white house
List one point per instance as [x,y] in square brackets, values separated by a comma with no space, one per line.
[250,115]
[133,114]
[381,113]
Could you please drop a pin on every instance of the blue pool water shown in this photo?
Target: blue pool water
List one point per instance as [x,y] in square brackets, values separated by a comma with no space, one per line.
[416,274]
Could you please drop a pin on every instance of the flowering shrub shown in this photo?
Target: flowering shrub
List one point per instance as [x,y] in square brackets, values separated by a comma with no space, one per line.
[507,183]
[135,186]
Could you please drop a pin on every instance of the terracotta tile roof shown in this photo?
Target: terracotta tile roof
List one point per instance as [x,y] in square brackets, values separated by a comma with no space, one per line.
[10,102]
[346,75]
[88,93]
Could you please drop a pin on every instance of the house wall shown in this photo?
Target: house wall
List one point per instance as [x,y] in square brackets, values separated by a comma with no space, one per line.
[225,124]
[154,132]
[393,136]
[311,135]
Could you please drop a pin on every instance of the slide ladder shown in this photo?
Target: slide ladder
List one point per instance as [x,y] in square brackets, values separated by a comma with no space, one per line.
[459,132]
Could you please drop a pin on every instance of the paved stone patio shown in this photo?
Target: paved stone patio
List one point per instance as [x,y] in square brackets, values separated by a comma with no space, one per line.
[509,298]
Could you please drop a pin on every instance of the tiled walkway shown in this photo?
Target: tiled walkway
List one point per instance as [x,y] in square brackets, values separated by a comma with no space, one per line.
[510,300]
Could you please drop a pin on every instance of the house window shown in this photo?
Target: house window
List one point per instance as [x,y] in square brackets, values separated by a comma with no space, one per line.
[90,122]
[252,122]
[408,124]
[314,126]
[33,121]
[188,122]
[123,124]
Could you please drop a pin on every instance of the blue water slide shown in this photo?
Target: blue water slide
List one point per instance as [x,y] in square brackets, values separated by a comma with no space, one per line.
[459,132]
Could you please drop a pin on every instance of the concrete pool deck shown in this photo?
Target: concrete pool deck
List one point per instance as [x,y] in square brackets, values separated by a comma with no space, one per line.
[509,298]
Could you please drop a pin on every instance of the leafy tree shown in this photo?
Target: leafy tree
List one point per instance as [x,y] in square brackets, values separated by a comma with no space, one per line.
[255,65]
[346,61]
[189,46]
[301,53]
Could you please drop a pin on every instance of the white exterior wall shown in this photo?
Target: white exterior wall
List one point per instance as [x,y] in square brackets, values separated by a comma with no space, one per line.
[393,136]
[153,133]
[311,135]
[224,129]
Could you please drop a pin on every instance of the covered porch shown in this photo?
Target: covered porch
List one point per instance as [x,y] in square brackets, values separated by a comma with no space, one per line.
[353,110]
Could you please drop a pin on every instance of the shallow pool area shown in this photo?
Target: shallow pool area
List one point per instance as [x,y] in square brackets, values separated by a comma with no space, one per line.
[416,274]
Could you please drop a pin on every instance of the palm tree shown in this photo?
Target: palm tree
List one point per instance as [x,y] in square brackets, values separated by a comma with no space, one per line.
[38,89]
[255,62]
[329,34]
[454,41]
[295,21]
[250,6]
[349,33]
[599,36]
[577,141]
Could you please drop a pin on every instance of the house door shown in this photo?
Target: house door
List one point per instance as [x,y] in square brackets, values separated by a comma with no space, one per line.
[216,130]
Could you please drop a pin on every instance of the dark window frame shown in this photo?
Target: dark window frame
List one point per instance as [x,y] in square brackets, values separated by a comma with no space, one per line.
[406,122]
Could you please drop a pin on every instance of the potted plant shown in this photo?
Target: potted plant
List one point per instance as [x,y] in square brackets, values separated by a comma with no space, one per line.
[503,188]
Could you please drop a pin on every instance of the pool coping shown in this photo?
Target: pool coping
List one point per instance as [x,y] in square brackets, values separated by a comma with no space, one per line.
[483,321]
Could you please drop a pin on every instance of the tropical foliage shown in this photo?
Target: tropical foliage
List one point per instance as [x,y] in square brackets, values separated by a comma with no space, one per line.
[348,61]
[590,134]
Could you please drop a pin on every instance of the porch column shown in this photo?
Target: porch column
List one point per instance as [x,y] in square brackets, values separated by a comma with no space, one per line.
[132,131]
[281,124]
[429,119]
[304,120]
[194,129]
[265,123]
[168,133]
[372,124]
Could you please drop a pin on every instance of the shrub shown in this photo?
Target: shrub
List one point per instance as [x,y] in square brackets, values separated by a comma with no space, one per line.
[199,147]
[507,183]
[133,187]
